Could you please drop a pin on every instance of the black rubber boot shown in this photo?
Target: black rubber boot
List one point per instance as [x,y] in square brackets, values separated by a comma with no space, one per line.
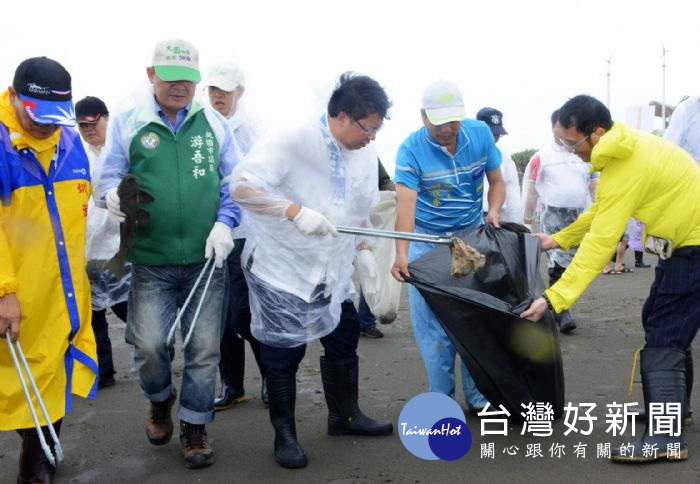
[688,416]
[228,397]
[263,393]
[663,377]
[344,415]
[566,322]
[689,374]
[232,370]
[639,259]
[34,467]
[282,394]
[255,346]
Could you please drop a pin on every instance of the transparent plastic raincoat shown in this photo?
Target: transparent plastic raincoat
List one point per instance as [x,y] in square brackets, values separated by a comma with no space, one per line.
[101,244]
[297,282]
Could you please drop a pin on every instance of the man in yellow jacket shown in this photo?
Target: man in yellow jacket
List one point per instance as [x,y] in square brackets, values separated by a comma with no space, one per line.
[44,290]
[656,182]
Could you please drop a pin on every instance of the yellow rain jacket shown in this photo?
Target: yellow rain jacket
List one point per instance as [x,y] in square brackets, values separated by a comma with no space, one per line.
[641,176]
[44,190]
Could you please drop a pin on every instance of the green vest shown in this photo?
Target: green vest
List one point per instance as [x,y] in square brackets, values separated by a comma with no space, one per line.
[181,171]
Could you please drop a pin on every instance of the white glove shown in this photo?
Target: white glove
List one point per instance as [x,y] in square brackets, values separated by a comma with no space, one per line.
[220,242]
[367,265]
[310,222]
[114,205]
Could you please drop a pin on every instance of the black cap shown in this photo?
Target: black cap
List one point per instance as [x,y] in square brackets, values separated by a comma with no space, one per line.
[90,109]
[494,118]
[44,87]
[43,78]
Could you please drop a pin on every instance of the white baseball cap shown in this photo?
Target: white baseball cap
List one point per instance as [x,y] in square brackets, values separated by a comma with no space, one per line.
[443,103]
[226,76]
[176,60]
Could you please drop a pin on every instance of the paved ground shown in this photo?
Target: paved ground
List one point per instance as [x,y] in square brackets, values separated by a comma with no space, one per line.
[104,439]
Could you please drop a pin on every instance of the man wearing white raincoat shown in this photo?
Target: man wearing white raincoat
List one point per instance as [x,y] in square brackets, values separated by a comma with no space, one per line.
[561,182]
[101,240]
[293,188]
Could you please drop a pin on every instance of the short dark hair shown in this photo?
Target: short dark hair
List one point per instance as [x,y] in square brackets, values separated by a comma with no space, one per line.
[358,96]
[585,113]
[554,117]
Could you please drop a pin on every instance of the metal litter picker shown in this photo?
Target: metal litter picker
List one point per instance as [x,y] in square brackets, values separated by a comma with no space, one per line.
[465,259]
[15,350]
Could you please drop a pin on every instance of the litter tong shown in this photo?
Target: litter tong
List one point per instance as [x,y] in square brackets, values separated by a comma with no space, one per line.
[15,350]
[431,239]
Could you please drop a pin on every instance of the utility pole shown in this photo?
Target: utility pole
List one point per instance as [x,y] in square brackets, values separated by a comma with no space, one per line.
[609,62]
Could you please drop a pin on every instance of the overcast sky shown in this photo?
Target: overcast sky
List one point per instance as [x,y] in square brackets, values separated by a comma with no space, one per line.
[524,58]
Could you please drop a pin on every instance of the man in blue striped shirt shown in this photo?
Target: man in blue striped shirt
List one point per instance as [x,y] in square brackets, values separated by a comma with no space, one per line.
[439,179]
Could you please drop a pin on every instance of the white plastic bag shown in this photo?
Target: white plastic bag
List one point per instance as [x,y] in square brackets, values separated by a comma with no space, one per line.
[385,303]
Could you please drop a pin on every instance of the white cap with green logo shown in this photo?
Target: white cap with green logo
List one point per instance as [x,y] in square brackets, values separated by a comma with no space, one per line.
[443,103]
[176,60]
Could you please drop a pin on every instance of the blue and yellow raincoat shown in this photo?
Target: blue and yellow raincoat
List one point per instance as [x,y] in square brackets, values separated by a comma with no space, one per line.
[44,190]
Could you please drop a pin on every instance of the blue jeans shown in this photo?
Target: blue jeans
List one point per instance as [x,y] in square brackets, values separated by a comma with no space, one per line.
[156,294]
[436,349]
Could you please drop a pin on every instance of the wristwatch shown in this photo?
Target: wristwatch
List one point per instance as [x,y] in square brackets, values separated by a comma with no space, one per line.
[549,303]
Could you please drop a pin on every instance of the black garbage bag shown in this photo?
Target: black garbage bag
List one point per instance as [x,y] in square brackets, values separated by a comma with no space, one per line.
[513,361]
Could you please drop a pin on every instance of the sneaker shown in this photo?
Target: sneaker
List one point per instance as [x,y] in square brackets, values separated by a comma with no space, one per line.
[371,332]
[159,422]
[195,445]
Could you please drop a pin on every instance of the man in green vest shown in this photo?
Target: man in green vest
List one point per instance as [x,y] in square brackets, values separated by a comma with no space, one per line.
[180,151]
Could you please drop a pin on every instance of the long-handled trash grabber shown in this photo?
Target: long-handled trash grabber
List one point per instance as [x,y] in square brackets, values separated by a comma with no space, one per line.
[388,234]
[16,349]
[171,334]
[465,259]
[199,306]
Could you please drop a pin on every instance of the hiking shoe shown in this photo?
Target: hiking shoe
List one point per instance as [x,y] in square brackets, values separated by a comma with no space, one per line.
[159,423]
[372,332]
[195,445]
